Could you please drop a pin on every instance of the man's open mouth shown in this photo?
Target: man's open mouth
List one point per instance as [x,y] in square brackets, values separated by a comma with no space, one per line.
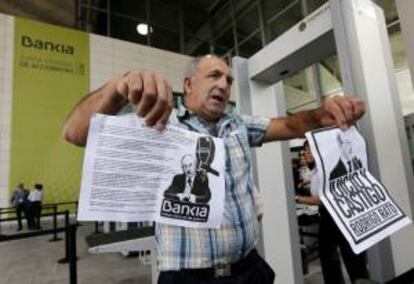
[218,98]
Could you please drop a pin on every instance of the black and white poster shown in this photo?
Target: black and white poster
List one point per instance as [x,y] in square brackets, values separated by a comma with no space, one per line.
[188,195]
[360,205]
[134,173]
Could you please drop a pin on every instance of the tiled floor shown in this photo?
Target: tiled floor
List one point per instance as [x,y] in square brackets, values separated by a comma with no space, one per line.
[314,275]
[34,261]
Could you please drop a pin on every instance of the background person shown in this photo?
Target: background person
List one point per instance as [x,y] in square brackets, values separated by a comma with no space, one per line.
[17,200]
[27,204]
[36,198]
[192,255]
[304,175]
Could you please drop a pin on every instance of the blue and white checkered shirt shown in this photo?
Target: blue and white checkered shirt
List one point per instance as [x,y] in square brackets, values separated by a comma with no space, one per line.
[187,248]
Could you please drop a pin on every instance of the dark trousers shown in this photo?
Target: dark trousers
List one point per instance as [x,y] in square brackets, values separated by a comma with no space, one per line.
[37,210]
[24,208]
[330,238]
[251,270]
[28,212]
[19,210]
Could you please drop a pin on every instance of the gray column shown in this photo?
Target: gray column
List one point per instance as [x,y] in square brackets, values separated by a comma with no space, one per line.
[405,12]
[244,106]
[274,178]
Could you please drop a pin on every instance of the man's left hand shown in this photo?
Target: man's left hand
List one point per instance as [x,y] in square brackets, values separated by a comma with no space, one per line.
[341,111]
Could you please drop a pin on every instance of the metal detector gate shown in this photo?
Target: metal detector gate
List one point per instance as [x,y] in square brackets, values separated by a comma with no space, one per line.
[355,30]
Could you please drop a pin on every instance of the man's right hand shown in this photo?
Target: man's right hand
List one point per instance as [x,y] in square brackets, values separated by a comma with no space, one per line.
[150,93]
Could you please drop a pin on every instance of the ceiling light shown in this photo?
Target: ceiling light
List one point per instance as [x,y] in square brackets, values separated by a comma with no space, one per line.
[142,29]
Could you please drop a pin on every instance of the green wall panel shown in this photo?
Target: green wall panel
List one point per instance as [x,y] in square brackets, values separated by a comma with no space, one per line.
[51,73]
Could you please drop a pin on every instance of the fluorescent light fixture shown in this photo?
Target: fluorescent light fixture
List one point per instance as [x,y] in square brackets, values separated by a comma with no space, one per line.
[142,29]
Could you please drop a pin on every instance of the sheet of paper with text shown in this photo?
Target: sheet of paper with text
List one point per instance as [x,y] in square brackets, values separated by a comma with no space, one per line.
[133,173]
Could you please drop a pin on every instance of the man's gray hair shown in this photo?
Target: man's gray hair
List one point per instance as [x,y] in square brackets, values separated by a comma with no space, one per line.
[192,65]
[187,156]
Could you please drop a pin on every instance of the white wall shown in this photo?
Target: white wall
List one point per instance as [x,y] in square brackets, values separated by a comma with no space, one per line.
[405,90]
[110,57]
[405,11]
[6,74]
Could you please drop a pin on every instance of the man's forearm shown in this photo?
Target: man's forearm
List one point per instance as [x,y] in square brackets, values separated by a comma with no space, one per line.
[104,100]
[308,200]
[341,111]
[302,122]
[293,126]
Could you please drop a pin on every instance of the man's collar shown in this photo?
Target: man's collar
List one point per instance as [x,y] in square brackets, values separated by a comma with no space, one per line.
[182,111]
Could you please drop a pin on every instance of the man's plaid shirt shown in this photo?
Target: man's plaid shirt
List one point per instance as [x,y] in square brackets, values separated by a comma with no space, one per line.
[186,248]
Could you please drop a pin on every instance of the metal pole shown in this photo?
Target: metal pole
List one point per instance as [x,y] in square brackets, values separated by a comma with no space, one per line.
[55,237]
[79,14]
[181,25]
[73,274]
[262,22]
[76,213]
[234,27]
[304,7]
[88,16]
[66,258]
[148,12]
[210,35]
[0,220]
[108,18]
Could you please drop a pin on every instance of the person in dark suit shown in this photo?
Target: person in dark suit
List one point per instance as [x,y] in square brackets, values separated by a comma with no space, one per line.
[17,201]
[191,185]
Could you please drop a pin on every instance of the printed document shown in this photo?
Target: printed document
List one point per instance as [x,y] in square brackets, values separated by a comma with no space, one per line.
[133,173]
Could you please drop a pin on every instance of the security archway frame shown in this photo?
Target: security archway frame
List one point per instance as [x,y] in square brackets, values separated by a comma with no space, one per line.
[355,30]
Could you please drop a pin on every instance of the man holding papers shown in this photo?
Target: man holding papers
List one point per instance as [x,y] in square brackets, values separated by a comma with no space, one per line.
[189,255]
